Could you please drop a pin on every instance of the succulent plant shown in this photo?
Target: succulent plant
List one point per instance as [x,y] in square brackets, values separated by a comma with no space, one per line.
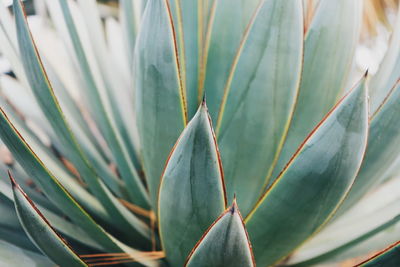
[196,133]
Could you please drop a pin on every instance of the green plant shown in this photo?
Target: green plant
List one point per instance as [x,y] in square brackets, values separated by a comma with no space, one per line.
[93,184]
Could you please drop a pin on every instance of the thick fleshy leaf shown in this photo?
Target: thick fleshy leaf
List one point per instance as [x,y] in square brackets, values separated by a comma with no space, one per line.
[54,190]
[192,186]
[341,239]
[41,232]
[388,257]
[259,98]
[389,69]
[46,99]
[382,150]
[161,107]
[329,49]
[225,243]
[227,23]
[314,183]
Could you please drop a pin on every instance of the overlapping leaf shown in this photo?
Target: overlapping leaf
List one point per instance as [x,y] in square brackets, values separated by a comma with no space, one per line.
[47,101]
[314,183]
[41,232]
[192,187]
[329,49]
[225,243]
[259,98]
[160,103]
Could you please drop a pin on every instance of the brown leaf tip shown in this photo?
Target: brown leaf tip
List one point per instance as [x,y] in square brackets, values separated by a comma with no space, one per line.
[233,209]
[203,101]
[13,182]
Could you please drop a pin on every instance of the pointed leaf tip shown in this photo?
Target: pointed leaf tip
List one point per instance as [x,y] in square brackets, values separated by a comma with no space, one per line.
[41,232]
[192,185]
[12,180]
[225,243]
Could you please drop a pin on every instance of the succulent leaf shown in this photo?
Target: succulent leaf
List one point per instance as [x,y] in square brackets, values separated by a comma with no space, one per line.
[227,23]
[53,189]
[389,69]
[263,80]
[225,243]
[41,232]
[382,149]
[49,104]
[329,48]
[192,185]
[103,113]
[161,107]
[314,183]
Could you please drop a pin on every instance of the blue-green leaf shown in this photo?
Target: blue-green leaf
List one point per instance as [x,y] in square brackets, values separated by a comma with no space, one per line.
[329,49]
[225,243]
[259,98]
[314,183]
[161,107]
[192,187]
[382,150]
[48,102]
[41,232]
[227,23]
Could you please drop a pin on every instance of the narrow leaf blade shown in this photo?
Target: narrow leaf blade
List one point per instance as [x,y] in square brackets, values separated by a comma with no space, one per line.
[41,232]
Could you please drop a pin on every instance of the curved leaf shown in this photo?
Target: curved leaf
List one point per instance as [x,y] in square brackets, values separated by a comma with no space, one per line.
[225,243]
[48,102]
[329,49]
[345,237]
[161,107]
[103,113]
[389,69]
[314,183]
[41,232]
[11,255]
[192,187]
[259,98]
[388,257]
[382,150]
[54,190]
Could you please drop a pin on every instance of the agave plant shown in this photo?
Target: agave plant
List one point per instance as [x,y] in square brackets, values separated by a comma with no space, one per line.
[197,133]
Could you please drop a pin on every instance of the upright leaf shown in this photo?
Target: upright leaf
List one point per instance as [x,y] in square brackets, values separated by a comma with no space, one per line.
[161,108]
[314,183]
[192,187]
[329,49]
[259,98]
[225,243]
[41,232]
[227,23]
